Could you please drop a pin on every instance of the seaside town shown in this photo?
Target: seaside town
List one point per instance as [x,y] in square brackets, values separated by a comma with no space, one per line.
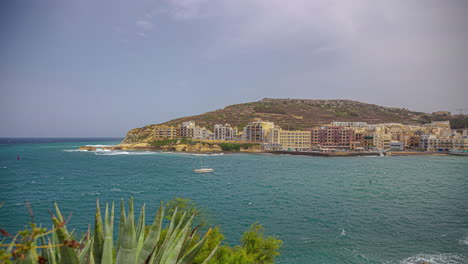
[435,137]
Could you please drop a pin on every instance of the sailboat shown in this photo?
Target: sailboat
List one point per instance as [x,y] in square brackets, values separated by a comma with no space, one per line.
[201,169]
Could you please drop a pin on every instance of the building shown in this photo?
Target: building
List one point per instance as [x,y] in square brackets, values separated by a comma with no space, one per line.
[396,146]
[349,124]
[332,137]
[202,133]
[186,129]
[161,132]
[224,132]
[382,141]
[433,143]
[289,140]
[257,131]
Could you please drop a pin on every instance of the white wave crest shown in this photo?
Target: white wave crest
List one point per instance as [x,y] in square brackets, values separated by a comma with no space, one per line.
[464,241]
[100,146]
[75,150]
[200,154]
[435,259]
[113,153]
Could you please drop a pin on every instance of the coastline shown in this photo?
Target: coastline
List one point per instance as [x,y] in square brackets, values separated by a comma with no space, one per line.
[147,147]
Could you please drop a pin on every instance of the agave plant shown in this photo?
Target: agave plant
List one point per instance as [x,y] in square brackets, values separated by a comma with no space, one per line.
[136,242]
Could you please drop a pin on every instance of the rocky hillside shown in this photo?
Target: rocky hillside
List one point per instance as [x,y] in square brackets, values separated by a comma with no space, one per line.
[303,113]
[295,114]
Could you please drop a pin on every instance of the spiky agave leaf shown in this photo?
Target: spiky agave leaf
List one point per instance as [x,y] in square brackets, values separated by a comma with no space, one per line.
[31,255]
[12,244]
[121,223]
[128,244]
[98,243]
[157,254]
[67,254]
[190,254]
[140,231]
[60,217]
[152,238]
[172,243]
[175,250]
[51,253]
[85,256]
[170,236]
[107,257]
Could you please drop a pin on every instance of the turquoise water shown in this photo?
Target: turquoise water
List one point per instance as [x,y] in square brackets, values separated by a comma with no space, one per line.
[326,210]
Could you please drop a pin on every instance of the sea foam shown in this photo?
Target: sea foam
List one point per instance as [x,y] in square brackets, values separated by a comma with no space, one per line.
[435,259]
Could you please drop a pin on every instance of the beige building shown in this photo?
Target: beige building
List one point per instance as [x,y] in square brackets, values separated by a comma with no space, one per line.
[296,140]
[164,132]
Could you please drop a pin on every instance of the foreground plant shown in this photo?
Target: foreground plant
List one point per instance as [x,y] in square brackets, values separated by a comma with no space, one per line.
[170,239]
[136,242]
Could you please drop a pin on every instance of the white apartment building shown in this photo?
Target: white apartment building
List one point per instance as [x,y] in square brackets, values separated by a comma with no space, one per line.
[349,124]
[224,132]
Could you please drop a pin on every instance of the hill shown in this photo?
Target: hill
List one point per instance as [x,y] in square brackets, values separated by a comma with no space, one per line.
[296,114]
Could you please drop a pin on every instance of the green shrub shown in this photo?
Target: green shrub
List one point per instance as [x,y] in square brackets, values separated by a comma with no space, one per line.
[235,146]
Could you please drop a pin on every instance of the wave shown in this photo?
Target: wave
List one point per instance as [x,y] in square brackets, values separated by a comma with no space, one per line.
[75,150]
[435,259]
[113,153]
[198,154]
[464,241]
[100,146]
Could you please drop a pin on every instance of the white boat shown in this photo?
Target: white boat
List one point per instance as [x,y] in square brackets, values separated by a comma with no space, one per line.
[201,169]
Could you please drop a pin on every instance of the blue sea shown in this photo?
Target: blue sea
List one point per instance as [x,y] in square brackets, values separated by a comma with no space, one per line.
[326,210]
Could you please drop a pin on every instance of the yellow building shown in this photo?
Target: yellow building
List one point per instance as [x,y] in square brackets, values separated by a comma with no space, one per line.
[164,132]
[296,140]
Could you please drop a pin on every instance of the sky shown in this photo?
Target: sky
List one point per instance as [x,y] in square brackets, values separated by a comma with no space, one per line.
[100,68]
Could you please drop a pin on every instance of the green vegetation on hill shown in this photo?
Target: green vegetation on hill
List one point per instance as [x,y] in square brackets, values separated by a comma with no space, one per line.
[177,235]
[236,146]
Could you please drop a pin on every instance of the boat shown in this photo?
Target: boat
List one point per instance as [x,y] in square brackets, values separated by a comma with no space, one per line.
[201,169]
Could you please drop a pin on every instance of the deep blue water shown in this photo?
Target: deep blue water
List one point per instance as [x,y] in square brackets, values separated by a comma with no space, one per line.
[326,210]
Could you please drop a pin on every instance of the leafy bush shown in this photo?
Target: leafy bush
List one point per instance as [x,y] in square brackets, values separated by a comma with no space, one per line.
[168,142]
[235,146]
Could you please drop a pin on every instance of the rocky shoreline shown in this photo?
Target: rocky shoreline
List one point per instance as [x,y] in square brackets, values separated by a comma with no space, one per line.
[213,148]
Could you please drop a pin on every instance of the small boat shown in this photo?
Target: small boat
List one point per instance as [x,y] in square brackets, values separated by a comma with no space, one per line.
[201,169]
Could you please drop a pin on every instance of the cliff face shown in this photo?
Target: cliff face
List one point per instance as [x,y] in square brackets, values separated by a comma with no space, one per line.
[292,114]
[199,147]
[143,134]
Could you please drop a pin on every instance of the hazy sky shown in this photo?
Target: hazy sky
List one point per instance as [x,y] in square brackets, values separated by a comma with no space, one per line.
[99,68]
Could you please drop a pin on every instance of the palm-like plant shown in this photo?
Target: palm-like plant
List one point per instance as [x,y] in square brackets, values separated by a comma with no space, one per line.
[136,242]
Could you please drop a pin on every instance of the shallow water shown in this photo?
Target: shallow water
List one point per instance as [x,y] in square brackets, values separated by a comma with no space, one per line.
[326,210]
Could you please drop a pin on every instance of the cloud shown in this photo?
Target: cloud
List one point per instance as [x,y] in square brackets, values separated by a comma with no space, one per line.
[144,25]
[185,9]
[393,50]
